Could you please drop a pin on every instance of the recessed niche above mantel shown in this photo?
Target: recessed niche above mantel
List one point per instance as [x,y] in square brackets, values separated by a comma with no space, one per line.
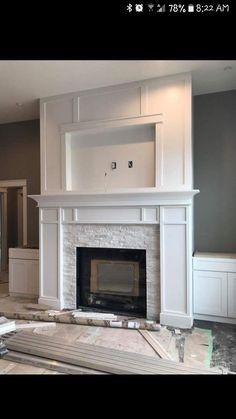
[112,155]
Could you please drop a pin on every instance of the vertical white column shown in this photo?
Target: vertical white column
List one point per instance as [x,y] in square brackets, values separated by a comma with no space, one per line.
[176,266]
[50,250]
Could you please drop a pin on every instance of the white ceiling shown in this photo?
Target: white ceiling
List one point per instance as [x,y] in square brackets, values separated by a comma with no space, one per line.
[26,81]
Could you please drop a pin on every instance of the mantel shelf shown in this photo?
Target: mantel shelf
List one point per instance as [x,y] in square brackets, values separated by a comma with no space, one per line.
[116,198]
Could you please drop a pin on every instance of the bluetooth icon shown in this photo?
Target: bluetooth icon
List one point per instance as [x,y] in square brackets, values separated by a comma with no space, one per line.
[129,7]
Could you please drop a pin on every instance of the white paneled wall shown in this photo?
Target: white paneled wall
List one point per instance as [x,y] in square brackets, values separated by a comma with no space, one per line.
[82,135]
[169,97]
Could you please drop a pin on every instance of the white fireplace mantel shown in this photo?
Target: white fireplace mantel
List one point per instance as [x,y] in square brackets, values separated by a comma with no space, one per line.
[116,198]
[172,210]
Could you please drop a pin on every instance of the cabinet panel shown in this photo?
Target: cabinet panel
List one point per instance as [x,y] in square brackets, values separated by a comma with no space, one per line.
[24,277]
[173,275]
[107,104]
[232,295]
[173,98]
[49,260]
[17,276]
[52,114]
[210,293]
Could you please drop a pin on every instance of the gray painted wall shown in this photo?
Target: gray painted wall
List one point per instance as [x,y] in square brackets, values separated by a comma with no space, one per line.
[20,159]
[215,171]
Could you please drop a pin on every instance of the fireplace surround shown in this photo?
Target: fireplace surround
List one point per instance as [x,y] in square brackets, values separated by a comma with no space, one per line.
[158,222]
[113,236]
[116,171]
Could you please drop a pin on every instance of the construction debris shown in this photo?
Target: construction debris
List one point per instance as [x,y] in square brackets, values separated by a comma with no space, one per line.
[92,315]
[67,318]
[49,364]
[3,349]
[115,323]
[6,325]
[53,313]
[158,348]
[33,325]
[98,358]
[133,325]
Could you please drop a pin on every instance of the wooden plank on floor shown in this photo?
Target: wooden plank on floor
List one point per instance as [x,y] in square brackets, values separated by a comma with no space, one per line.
[49,364]
[91,315]
[95,350]
[82,359]
[98,358]
[33,325]
[158,348]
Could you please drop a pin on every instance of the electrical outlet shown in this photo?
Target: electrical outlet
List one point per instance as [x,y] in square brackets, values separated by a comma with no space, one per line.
[130,164]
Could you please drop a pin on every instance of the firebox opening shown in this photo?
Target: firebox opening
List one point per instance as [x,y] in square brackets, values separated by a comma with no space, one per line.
[112,280]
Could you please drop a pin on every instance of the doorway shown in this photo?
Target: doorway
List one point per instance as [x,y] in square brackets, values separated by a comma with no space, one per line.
[13,222]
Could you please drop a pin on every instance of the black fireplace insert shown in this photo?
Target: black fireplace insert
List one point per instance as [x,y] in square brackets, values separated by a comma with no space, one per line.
[113,280]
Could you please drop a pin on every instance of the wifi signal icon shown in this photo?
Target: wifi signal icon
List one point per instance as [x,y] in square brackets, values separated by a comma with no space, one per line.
[151,7]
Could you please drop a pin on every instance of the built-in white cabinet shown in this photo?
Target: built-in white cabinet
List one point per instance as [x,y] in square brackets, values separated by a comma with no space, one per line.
[24,272]
[214,287]
[210,293]
[232,294]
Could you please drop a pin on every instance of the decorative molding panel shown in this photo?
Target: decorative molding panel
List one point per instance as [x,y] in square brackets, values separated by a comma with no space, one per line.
[131,103]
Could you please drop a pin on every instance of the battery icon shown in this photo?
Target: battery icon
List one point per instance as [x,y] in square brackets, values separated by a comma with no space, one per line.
[191,8]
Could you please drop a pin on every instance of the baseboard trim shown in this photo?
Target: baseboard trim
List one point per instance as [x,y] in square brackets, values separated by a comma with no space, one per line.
[19,294]
[176,320]
[217,319]
[53,302]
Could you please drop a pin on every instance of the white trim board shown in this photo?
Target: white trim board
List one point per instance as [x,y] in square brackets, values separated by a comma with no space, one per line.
[19,183]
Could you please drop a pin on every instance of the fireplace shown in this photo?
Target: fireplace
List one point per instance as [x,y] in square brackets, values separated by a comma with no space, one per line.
[112,279]
[163,231]
[143,133]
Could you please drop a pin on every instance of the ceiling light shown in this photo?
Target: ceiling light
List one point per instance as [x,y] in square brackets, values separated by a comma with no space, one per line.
[19,104]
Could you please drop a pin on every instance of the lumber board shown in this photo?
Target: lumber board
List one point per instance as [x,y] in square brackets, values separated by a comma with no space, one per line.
[98,358]
[90,315]
[90,349]
[49,364]
[158,348]
[86,360]
[98,350]
[34,325]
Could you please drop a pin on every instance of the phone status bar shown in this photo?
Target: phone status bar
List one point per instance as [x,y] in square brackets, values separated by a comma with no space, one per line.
[177,8]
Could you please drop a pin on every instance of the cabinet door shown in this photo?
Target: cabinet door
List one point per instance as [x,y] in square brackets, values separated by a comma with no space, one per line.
[210,293]
[232,295]
[17,276]
[23,276]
